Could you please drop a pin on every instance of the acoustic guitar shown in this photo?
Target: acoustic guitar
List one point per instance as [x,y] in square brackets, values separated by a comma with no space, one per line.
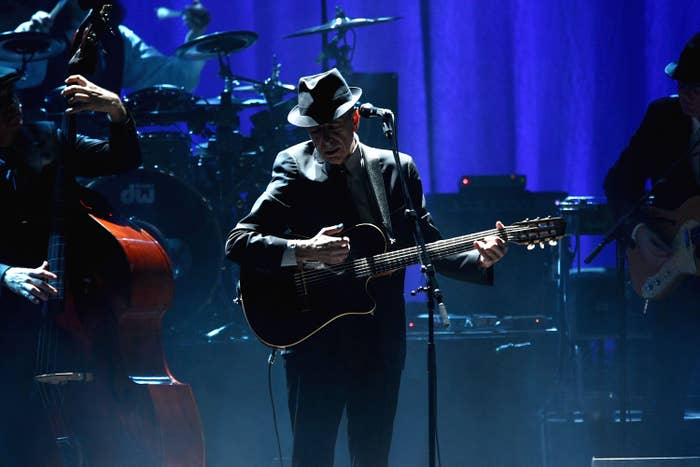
[287,306]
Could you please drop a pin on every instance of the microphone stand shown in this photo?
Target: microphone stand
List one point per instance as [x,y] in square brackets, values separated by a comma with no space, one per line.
[432,288]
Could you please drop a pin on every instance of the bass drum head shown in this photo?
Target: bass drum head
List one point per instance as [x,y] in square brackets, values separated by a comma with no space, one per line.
[184,223]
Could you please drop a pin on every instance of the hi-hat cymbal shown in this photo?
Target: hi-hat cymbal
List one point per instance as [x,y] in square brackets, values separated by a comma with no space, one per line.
[215,44]
[213,103]
[29,46]
[342,24]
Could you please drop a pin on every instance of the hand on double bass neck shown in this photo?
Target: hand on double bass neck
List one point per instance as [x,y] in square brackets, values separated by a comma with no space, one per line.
[83,95]
[31,283]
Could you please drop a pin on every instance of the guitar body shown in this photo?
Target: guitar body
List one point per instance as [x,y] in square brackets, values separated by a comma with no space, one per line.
[287,306]
[680,229]
[133,412]
[282,311]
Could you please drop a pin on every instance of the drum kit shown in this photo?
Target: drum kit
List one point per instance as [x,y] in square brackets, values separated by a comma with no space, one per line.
[200,173]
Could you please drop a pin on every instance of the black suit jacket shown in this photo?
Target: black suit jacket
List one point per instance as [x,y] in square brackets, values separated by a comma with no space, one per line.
[660,141]
[299,200]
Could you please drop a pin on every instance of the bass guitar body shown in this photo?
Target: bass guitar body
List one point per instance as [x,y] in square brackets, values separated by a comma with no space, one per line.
[680,229]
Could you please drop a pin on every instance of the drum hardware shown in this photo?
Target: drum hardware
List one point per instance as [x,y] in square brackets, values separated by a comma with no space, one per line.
[216,45]
[273,89]
[163,104]
[341,23]
[338,48]
[25,47]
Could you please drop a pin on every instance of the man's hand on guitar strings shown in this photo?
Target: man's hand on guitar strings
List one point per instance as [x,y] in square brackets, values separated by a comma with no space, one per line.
[491,248]
[323,247]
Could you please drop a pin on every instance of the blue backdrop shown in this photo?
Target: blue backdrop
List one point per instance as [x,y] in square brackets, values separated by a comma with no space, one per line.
[550,89]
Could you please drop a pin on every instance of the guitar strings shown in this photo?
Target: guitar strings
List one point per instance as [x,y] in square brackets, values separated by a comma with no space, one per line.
[399,258]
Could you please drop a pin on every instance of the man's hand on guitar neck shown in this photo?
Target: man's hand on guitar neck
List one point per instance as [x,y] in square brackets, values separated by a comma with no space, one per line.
[491,248]
[652,248]
[323,247]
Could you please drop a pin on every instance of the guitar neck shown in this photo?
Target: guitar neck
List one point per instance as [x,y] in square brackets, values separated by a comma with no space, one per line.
[405,257]
[526,232]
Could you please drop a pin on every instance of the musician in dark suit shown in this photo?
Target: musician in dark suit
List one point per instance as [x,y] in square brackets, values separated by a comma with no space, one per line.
[318,188]
[665,150]
[27,174]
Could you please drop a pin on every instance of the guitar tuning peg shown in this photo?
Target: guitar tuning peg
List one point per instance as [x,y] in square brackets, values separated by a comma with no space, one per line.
[530,246]
[552,243]
[541,245]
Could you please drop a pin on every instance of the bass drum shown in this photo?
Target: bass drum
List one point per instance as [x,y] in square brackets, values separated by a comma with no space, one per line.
[184,223]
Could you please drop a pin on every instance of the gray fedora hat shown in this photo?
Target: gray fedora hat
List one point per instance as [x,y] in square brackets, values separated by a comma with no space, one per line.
[322,98]
[687,68]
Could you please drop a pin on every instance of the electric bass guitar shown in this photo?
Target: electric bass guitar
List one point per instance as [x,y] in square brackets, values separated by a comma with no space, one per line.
[680,229]
[287,306]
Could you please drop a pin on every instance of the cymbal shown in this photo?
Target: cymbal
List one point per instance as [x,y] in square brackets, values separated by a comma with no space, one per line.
[30,46]
[216,43]
[214,103]
[342,24]
[261,87]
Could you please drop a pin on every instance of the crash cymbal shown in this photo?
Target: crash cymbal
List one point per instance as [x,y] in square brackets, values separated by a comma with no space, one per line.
[342,24]
[28,46]
[215,44]
[261,88]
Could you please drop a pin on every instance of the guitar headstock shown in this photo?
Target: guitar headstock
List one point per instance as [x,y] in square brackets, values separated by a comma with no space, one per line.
[538,231]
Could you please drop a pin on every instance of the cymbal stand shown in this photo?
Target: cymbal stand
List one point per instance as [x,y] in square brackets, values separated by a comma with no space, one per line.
[272,87]
[339,49]
[227,145]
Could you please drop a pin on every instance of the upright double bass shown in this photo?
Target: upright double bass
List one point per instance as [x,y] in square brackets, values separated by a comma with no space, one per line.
[101,371]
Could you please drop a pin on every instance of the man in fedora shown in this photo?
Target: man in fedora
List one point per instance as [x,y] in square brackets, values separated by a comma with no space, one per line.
[665,149]
[319,188]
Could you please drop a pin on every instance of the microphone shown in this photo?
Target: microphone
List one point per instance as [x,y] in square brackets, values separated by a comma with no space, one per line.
[167,13]
[367,110]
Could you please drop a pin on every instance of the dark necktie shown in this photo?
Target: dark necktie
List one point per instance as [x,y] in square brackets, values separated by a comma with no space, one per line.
[341,195]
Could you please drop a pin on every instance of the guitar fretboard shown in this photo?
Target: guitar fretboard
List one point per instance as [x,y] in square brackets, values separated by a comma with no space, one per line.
[399,259]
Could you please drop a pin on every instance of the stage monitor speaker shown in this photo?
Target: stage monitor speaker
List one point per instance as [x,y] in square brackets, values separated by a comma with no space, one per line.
[380,90]
[647,462]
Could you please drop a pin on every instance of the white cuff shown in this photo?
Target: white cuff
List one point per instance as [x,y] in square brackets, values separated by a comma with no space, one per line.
[289,257]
